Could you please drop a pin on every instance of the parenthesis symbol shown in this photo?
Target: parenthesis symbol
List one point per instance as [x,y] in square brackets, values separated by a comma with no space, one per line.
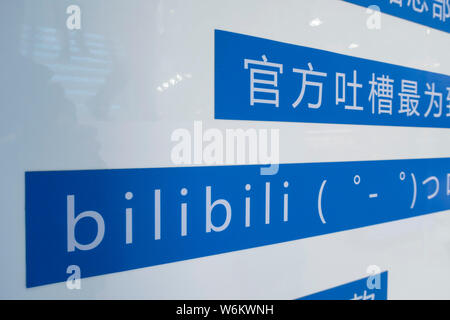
[415,190]
[319,201]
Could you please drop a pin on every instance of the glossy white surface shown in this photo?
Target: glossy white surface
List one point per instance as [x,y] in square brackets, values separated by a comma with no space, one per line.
[89,99]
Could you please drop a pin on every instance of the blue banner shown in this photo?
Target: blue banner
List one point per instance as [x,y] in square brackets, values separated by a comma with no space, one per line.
[370,288]
[431,13]
[260,79]
[104,221]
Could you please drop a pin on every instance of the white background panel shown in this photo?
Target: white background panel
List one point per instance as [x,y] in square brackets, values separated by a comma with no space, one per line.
[99,107]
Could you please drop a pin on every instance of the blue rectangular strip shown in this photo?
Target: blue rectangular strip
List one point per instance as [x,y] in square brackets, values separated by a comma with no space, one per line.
[260,79]
[431,13]
[106,221]
[370,288]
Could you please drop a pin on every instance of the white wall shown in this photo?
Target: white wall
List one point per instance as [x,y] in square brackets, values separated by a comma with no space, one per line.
[61,110]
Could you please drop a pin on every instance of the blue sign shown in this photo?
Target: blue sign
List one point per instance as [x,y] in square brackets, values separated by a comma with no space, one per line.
[370,288]
[260,79]
[431,13]
[105,221]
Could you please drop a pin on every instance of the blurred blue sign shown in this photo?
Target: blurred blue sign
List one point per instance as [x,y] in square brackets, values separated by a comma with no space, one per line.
[260,79]
[431,13]
[370,288]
